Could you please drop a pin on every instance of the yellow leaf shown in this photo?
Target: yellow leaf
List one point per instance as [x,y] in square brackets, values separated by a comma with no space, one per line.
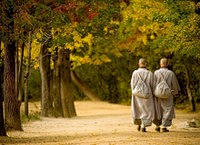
[105,58]
[152,37]
[105,29]
[97,62]
[142,28]
[88,39]
[144,39]
[167,24]
[78,45]
[69,46]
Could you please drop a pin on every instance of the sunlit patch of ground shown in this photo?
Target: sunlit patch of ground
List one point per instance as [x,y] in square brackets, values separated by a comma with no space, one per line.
[101,123]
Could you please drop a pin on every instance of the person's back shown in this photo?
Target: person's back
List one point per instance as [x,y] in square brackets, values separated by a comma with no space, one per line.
[142,108]
[142,74]
[169,77]
[165,106]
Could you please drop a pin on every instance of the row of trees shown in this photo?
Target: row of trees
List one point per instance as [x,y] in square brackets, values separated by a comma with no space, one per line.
[94,45]
[62,28]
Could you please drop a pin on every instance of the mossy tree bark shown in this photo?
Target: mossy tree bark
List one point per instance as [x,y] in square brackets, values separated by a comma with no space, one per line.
[56,87]
[45,78]
[65,84]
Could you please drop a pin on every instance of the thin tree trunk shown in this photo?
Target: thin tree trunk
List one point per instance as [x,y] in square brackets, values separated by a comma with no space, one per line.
[56,87]
[191,98]
[45,72]
[65,84]
[12,105]
[27,76]
[50,100]
[2,127]
[83,87]
[20,73]
[16,70]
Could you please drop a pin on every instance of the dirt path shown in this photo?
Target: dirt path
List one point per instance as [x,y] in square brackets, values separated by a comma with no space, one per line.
[101,123]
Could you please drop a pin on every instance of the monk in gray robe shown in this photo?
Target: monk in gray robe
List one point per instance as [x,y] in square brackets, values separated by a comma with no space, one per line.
[142,110]
[164,107]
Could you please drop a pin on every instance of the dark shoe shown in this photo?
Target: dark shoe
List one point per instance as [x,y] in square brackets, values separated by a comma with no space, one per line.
[139,127]
[144,130]
[157,129]
[165,130]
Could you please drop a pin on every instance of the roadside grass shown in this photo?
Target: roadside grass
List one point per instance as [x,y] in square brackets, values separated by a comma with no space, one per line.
[34,112]
[31,117]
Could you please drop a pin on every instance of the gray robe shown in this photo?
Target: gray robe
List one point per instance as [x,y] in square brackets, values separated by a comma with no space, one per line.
[142,109]
[165,107]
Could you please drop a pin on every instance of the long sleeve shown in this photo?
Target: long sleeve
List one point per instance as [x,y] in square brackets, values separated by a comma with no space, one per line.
[133,78]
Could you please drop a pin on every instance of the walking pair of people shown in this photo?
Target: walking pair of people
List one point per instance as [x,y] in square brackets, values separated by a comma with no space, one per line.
[147,106]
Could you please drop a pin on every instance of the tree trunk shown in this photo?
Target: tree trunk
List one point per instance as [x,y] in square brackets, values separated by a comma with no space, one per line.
[2,127]
[83,87]
[65,84]
[45,77]
[191,98]
[27,76]
[12,105]
[16,70]
[56,87]
[20,78]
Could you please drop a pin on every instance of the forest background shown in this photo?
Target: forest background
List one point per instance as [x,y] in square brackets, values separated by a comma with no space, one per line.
[59,51]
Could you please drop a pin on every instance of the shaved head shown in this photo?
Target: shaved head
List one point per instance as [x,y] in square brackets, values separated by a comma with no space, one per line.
[142,62]
[164,62]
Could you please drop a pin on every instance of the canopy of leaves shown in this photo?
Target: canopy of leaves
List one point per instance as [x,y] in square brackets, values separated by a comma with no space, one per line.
[160,28]
[100,31]
[90,35]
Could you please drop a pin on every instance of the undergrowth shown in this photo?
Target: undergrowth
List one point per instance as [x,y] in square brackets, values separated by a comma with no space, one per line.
[31,117]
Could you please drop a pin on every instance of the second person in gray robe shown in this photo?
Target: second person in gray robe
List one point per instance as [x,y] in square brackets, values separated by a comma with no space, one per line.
[142,109]
[165,107]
